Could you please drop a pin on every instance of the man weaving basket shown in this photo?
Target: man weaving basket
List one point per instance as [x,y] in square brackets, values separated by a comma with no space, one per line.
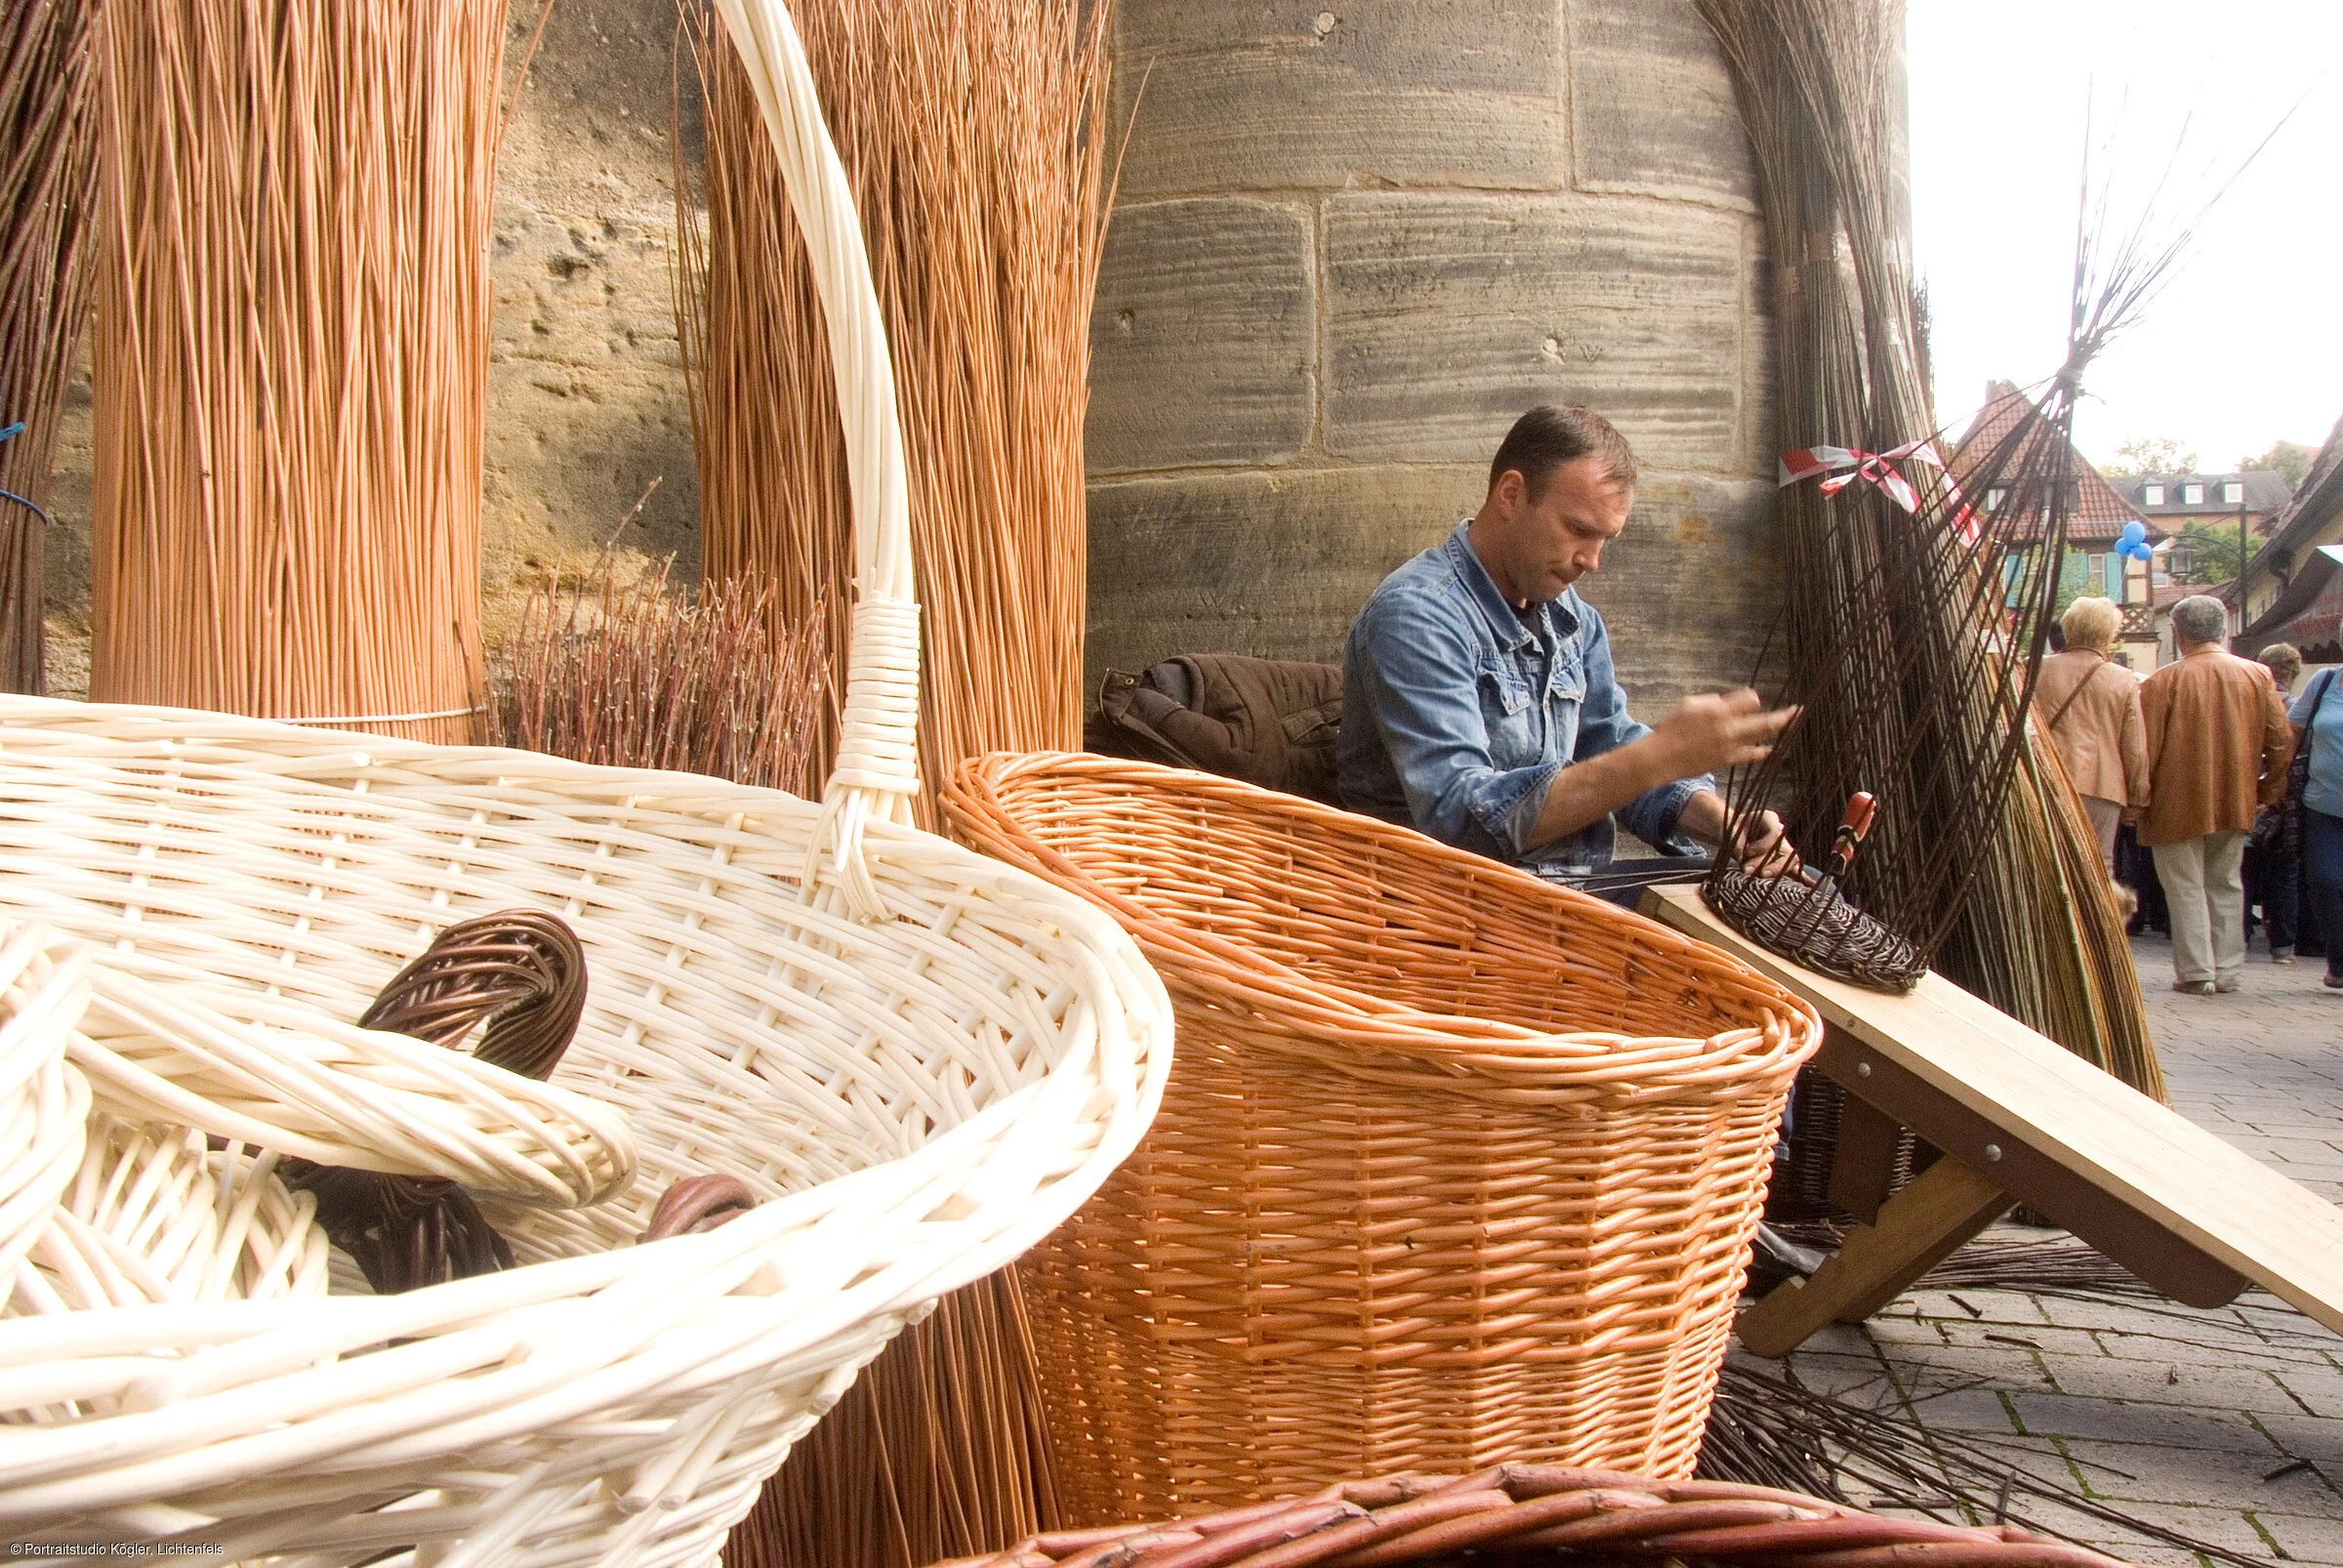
[1480,706]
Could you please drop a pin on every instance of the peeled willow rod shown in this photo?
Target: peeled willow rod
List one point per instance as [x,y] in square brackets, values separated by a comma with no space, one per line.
[290,357]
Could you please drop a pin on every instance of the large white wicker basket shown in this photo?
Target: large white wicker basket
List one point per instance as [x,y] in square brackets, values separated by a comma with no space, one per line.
[922,1059]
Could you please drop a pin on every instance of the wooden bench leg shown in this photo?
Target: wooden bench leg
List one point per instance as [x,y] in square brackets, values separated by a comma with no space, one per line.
[1863,1175]
[1918,1228]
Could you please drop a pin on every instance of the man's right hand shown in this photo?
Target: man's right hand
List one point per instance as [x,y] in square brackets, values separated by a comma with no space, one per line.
[1710,734]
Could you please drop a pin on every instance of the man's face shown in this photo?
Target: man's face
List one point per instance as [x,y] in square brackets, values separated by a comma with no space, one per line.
[1553,539]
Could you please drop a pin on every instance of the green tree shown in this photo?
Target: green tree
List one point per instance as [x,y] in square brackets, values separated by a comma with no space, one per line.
[2291,458]
[2207,554]
[2151,454]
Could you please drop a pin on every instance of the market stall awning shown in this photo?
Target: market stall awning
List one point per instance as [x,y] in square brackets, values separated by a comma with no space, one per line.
[2309,614]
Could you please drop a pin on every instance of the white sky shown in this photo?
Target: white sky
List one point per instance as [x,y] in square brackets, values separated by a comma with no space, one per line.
[2245,344]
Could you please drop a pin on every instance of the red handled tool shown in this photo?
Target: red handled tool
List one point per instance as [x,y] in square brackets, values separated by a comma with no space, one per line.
[1862,808]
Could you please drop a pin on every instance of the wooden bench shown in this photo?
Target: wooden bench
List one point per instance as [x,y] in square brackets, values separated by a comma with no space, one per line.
[2019,1120]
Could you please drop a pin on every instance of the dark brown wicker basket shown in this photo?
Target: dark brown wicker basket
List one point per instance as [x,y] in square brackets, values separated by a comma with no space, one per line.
[1532,1515]
[1815,924]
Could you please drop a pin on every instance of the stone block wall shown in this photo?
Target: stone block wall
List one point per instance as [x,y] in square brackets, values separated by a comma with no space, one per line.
[1353,242]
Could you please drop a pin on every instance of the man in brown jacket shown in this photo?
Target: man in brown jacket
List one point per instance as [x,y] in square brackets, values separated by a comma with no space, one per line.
[2218,745]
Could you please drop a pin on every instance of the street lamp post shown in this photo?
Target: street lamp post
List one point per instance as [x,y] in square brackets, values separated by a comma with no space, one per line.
[2244,548]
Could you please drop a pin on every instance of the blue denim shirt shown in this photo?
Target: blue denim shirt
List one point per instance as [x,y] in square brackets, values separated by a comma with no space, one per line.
[1458,712]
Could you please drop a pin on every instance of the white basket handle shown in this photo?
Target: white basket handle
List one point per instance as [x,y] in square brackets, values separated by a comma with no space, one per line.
[877,770]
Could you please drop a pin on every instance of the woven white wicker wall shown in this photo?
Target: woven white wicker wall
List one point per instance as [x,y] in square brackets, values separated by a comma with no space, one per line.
[922,1059]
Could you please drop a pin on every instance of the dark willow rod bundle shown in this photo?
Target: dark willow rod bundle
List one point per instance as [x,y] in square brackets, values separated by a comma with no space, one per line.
[1913,636]
[48,186]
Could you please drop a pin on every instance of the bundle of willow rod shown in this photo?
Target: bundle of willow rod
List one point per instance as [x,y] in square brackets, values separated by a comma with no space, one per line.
[48,186]
[633,676]
[1914,638]
[971,133]
[290,357]
[970,130]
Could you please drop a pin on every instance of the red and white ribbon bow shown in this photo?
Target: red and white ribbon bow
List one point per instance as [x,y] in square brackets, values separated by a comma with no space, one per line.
[1841,466]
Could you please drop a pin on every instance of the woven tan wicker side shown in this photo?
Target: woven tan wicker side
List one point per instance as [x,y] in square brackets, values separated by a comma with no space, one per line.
[1455,1167]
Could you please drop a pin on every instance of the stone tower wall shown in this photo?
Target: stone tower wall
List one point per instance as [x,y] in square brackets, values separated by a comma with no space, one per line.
[1353,242]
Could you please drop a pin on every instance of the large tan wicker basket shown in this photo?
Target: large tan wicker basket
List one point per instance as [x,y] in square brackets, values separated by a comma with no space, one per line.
[1455,1167]
[921,1060]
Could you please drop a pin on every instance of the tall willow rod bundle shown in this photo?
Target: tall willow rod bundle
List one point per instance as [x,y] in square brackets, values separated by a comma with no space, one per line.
[1912,642]
[291,354]
[971,133]
[971,130]
[48,187]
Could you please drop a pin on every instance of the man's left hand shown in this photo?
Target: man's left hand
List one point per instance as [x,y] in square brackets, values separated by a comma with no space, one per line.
[1765,847]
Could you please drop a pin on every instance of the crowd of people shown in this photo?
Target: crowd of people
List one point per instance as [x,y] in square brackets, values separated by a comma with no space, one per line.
[2215,786]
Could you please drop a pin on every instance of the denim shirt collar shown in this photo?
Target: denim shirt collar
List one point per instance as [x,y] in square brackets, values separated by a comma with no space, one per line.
[1558,618]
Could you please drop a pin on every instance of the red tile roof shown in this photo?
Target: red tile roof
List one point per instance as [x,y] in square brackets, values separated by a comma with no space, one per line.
[2099,514]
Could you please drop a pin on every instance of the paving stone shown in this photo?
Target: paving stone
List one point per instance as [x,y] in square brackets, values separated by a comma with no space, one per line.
[2312,1538]
[2193,1476]
[1977,1411]
[2313,1437]
[2177,1381]
[2319,1389]
[2021,1337]
[2123,1317]
[1891,1329]
[1851,1378]
[2116,1421]
[1996,1309]
[2218,1526]
[1205,337]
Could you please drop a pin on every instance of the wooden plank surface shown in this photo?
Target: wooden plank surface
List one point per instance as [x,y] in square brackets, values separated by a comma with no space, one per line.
[2148,1157]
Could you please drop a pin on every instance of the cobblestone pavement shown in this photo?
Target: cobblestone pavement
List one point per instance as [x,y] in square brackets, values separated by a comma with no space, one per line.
[2182,1417]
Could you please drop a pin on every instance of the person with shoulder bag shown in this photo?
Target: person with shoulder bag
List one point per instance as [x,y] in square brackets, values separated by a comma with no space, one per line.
[2317,781]
[2093,709]
[2274,850]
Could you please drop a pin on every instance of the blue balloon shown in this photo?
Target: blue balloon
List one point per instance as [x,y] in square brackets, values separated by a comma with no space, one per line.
[2134,532]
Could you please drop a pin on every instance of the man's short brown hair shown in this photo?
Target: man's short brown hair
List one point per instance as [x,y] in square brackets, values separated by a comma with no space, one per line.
[1551,434]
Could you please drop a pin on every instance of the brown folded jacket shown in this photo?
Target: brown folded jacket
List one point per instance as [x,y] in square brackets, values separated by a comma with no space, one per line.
[2218,745]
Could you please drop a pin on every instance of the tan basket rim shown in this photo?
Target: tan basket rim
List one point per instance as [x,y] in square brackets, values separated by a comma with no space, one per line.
[1202,966]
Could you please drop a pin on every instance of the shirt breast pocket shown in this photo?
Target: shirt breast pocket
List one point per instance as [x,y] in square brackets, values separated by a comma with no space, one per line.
[1512,717]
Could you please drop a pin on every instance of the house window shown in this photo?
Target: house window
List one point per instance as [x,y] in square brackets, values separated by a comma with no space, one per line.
[1993,497]
[2232,491]
[2094,568]
[2153,495]
[2192,495]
